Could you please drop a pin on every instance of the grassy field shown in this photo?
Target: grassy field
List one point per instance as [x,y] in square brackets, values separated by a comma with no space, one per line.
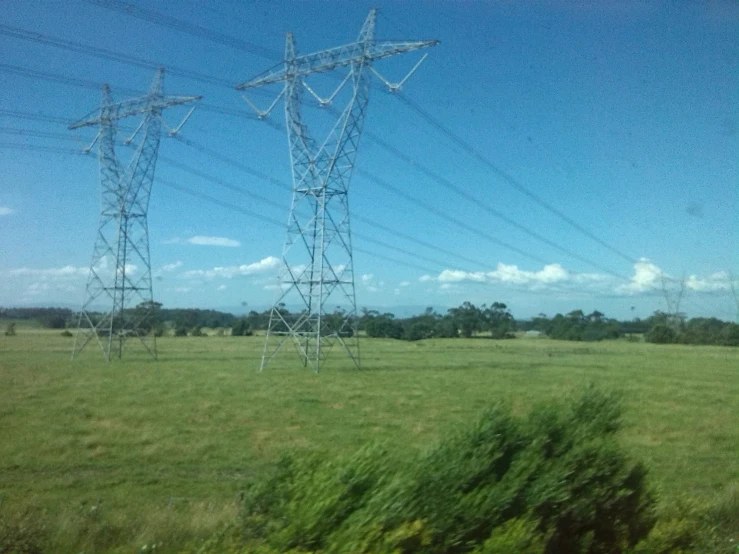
[138,452]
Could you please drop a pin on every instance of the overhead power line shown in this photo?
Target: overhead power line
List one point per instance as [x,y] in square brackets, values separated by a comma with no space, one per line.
[41,38]
[436,211]
[93,85]
[274,222]
[39,148]
[509,179]
[34,116]
[164,20]
[482,205]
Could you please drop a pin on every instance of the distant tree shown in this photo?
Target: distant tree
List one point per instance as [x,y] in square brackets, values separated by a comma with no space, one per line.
[446,328]
[10,329]
[499,321]
[180,331]
[729,335]
[661,334]
[242,328]
[469,319]
[384,326]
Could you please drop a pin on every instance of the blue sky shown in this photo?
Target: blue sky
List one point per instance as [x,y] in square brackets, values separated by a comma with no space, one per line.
[621,115]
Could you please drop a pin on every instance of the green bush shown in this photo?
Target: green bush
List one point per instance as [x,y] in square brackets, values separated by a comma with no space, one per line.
[555,481]
[180,331]
[10,330]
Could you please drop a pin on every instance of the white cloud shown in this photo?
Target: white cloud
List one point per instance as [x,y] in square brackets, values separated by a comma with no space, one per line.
[202,240]
[367,278]
[222,287]
[719,281]
[647,277]
[172,266]
[507,274]
[262,266]
[5,210]
[52,272]
[425,278]
[273,287]
[182,289]
[404,284]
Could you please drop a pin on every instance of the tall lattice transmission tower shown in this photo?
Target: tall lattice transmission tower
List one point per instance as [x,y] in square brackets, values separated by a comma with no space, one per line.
[120,270]
[317,265]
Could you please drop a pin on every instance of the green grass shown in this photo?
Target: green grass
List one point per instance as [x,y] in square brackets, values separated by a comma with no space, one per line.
[135,451]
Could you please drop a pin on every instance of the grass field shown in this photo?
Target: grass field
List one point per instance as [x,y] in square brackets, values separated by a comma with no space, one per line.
[138,452]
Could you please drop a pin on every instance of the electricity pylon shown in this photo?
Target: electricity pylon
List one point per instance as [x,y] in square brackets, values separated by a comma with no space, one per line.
[317,263]
[120,270]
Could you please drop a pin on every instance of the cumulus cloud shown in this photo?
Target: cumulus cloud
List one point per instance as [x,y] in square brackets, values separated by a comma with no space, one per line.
[262,266]
[172,266]
[51,272]
[647,277]
[221,287]
[715,282]
[5,210]
[202,240]
[404,284]
[510,274]
[367,278]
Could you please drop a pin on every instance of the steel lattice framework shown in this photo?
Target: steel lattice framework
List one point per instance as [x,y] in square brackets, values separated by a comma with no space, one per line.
[120,270]
[317,261]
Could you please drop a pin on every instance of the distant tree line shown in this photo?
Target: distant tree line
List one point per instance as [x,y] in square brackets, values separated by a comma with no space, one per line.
[51,318]
[467,320]
[672,329]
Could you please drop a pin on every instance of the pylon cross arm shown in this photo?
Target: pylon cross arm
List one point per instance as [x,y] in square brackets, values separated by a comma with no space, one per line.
[133,106]
[340,56]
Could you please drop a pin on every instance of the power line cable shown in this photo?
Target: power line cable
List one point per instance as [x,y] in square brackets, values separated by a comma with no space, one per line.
[34,116]
[482,205]
[93,85]
[158,18]
[261,217]
[509,179]
[432,209]
[41,38]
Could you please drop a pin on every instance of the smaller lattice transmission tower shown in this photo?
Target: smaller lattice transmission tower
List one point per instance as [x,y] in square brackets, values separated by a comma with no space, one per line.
[317,271]
[118,298]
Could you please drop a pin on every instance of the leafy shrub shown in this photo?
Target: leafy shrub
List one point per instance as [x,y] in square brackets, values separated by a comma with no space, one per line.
[66,333]
[556,481]
[10,330]
[180,331]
